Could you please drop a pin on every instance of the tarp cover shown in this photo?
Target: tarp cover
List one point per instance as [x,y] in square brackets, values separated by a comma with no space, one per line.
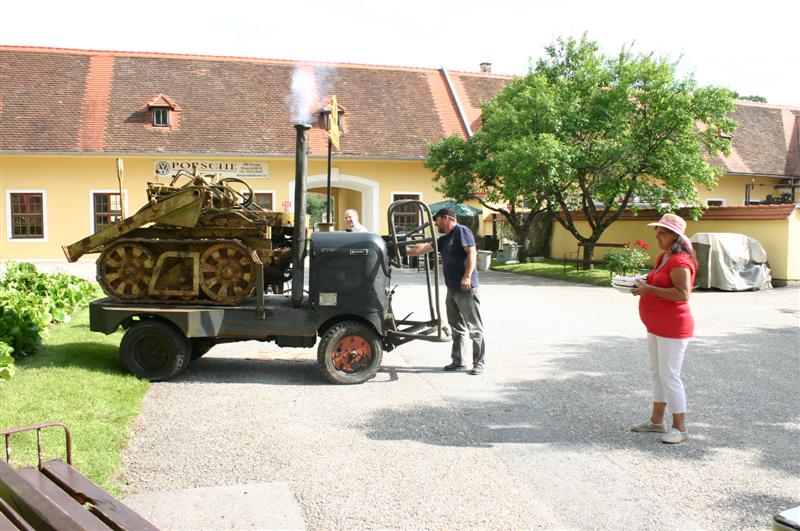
[731,262]
[459,208]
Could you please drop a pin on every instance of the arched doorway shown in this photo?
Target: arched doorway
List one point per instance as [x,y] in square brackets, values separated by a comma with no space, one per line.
[365,200]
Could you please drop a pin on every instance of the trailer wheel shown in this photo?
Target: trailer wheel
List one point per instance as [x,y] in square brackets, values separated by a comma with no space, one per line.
[154,350]
[349,353]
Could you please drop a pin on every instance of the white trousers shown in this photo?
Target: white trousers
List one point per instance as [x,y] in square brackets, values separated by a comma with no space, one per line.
[666,359]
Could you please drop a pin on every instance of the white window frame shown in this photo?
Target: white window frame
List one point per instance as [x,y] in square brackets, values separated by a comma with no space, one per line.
[157,109]
[9,219]
[720,199]
[395,194]
[274,197]
[105,191]
[420,198]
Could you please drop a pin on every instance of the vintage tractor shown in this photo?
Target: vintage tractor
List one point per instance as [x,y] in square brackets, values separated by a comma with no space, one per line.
[199,242]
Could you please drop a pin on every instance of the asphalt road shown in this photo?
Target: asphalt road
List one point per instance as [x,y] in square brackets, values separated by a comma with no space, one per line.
[252,436]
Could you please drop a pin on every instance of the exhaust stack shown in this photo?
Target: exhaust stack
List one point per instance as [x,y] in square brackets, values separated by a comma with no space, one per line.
[299,239]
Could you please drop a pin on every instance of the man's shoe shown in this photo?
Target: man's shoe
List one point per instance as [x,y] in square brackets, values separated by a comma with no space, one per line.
[675,436]
[650,427]
[453,367]
[475,371]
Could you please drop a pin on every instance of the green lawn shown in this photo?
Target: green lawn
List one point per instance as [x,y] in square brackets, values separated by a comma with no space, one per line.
[551,268]
[75,378]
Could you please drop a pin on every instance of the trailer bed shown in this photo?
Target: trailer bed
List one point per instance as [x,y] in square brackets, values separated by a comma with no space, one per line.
[244,321]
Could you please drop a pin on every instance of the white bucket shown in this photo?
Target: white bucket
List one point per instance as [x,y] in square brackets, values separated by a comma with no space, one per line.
[484,260]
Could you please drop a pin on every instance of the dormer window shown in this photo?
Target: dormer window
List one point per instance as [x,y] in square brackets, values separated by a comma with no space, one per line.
[160,116]
[163,111]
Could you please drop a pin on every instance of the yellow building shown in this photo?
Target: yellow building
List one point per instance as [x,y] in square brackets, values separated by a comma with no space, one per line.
[66,116]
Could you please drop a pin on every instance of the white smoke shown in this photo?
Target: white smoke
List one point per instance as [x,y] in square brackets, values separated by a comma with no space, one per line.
[309,86]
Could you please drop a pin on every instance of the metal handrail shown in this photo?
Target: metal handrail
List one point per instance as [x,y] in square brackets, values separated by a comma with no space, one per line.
[38,427]
[396,260]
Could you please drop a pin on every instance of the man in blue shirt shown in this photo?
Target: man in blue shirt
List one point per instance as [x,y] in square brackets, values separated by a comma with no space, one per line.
[459,256]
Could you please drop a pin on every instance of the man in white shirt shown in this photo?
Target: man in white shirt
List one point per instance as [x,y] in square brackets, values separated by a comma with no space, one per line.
[351,221]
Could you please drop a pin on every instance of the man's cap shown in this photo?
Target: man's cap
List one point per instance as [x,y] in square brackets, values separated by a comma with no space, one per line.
[445,212]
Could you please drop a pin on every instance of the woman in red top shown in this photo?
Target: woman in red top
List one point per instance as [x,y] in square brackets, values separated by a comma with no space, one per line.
[664,310]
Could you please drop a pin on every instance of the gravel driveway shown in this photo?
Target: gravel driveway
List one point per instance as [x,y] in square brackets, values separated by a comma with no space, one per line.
[539,440]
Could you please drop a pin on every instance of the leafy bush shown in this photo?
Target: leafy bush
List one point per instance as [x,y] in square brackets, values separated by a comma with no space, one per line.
[30,301]
[628,261]
[6,362]
[23,320]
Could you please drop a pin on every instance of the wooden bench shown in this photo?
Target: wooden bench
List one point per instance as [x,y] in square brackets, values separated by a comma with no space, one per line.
[578,253]
[55,496]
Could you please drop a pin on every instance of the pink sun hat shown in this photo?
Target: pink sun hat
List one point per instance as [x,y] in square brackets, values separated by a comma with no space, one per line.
[674,223]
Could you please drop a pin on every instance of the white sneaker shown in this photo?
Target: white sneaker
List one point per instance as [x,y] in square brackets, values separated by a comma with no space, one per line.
[675,436]
[650,427]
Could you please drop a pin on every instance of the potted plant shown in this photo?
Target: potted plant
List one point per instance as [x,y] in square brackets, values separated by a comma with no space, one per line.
[629,261]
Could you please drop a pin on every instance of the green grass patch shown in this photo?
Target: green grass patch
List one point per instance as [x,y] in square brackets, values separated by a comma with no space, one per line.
[552,268]
[75,378]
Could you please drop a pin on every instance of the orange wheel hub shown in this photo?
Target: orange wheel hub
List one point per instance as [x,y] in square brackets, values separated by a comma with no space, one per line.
[352,354]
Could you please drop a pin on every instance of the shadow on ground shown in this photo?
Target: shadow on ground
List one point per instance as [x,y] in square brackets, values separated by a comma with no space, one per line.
[741,397]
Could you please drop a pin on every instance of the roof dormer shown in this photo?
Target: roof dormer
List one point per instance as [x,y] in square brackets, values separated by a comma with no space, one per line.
[163,111]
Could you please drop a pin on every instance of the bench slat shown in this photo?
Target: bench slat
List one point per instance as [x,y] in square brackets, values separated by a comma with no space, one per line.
[43,484]
[9,518]
[113,512]
[39,511]
[5,523]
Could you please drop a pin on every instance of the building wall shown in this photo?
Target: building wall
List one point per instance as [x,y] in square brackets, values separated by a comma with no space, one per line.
[367,185]
[731,188]
[67,180]
[793,247]
[779,238]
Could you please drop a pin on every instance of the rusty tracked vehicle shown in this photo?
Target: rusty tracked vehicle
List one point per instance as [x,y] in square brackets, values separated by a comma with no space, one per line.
[201,242]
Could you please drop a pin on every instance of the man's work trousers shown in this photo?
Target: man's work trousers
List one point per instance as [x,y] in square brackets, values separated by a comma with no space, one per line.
[464,318]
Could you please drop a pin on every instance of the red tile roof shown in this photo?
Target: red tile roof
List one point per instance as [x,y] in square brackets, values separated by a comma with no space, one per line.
[94,114]
[766,142]
[162,100]
[58,100]
[42,96]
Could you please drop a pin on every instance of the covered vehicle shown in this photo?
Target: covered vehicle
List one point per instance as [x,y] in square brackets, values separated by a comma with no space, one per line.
[731,262]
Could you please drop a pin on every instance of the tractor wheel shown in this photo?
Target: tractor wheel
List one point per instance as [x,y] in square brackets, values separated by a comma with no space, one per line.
[349,352]
[227,272]
[124,270]
[154,350]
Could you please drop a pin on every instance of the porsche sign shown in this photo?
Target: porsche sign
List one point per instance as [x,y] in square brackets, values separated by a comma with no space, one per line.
[241,170]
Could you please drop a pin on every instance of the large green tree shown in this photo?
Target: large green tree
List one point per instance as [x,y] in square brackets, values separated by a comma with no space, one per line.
[587,136]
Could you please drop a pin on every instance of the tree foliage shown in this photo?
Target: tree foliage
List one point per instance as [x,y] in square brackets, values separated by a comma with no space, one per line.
[587,134]
[316,207]
[759,99]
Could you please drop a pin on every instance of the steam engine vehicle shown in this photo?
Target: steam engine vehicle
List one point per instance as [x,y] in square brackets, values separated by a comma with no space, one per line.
[201,264]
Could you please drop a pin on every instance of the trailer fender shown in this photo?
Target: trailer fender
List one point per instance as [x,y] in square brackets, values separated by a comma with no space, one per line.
[333,321]
[107,317]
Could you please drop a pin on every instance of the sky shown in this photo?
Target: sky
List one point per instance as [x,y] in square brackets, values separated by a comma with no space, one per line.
[750,47]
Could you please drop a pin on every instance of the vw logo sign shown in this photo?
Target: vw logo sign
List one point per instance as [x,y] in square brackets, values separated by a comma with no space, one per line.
[162,168]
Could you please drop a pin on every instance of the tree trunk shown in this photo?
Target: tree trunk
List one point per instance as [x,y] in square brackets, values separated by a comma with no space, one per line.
[533,236]
[588,251]
[540,233]
[521,239]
